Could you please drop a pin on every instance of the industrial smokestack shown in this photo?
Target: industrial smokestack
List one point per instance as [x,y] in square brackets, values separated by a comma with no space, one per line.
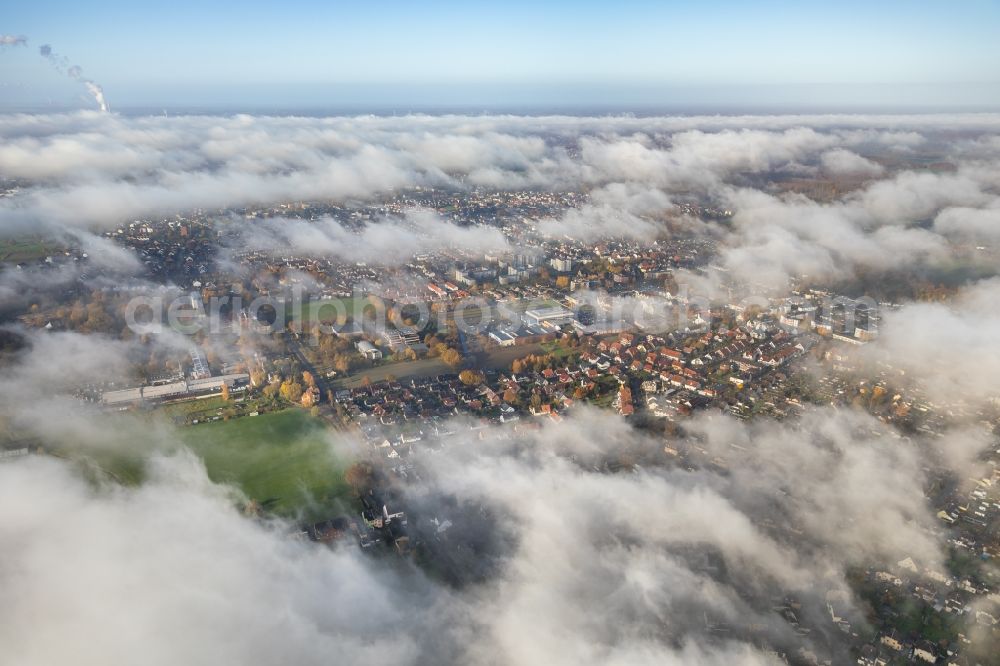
[75,72]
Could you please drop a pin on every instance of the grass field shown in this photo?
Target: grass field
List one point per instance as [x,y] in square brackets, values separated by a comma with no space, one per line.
[282,460]
[195,409]
[118,450]
[334,309]
[16,250]
[558,350]
[209,408]
[401,370]
[499,358]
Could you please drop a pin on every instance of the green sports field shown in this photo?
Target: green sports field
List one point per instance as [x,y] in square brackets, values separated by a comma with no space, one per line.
[282,460]
[338,310]
[25,249]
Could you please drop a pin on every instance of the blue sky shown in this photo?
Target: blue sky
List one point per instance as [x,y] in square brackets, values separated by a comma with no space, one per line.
[314,53]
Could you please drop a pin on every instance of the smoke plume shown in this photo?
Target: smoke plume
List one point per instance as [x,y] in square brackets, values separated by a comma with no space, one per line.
[75,72]
[13,40]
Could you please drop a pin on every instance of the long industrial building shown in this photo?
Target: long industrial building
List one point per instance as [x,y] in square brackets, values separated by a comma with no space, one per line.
[181,389]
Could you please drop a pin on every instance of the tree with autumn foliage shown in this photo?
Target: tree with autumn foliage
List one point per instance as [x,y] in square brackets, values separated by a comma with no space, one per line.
[291,391]
[360,477]
[452,358]
[470,377]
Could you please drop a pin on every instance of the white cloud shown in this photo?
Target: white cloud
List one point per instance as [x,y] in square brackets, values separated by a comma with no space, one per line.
[387,242]
[844,162]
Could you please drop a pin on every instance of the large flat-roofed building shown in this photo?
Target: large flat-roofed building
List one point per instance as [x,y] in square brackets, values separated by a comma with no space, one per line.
[199,365]
[123,397]
[502,337]
[173,390]
[368,350]
[508,337]
[403,337]
[556,315]
[561,264]
[350,329]
[599,327]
